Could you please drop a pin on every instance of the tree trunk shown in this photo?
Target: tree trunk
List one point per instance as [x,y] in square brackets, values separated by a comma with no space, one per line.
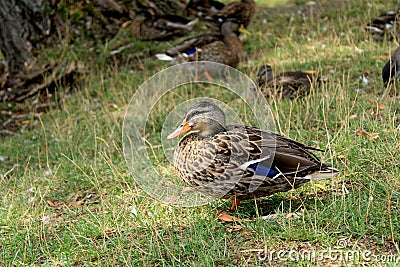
[28,24]
[21,23]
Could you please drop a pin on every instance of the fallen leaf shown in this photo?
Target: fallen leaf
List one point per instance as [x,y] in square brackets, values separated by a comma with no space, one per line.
[236,228]
[75,204]
[112,106]
[226,217]
[368,134]
[208,76]
[53,204]
[110,233]
[377,104]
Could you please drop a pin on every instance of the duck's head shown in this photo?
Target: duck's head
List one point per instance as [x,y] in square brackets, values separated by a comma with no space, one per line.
[232,27]
[265,74]
[203,118]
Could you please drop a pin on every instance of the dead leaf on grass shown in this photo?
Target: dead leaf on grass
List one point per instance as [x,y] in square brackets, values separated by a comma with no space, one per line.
[368,134]
[377,105]
[226,217]
[110,233]
[54,204]
[236,228]
[75,204]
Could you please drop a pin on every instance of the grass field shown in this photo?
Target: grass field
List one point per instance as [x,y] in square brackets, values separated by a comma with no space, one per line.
[68,198]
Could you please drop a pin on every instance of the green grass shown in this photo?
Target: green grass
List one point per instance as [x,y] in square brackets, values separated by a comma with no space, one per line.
[68,199]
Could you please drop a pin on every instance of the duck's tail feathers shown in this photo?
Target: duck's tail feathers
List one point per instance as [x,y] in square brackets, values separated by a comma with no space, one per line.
[374,29]
[326,173]
[164,57]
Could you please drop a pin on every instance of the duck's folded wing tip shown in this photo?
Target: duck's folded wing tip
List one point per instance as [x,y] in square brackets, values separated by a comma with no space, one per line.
[326,173]
[164,57]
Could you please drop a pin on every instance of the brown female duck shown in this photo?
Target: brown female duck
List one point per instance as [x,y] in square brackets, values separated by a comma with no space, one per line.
[289,84]
[224,47]
[240,162]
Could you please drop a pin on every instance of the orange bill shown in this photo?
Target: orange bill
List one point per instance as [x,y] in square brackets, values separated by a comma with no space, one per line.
[182,129]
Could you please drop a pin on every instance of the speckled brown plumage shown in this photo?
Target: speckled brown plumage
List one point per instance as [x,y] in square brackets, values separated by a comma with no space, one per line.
[289,84]
[240,161]
[203,8]
[244,12]
[224,47]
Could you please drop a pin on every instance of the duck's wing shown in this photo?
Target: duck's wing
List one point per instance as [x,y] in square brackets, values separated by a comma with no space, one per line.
[279,156]
[244,12]
[174,23]
[201,8]
[295,78]
[188,46]
[289,85]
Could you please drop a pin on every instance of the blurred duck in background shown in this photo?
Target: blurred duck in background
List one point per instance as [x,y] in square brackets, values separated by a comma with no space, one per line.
[391,70]
[203,8]
[224,47]
[385,25]
[290,85]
